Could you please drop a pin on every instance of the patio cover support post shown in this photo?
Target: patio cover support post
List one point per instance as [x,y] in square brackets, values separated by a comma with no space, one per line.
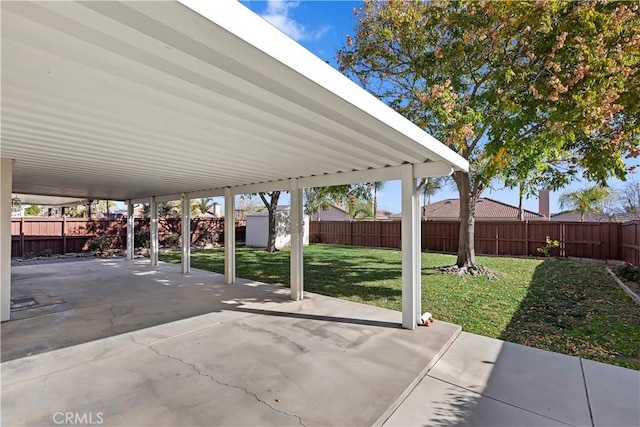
[153,255]
[411,269]
[185,261]
[130,231]
[297,241]
[229,237]
[6,176]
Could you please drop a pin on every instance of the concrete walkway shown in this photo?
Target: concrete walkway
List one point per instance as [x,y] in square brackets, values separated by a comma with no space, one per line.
[180,350]
[482,381]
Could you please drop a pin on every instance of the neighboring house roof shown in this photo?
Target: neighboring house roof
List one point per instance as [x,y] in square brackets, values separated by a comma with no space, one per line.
[486,209]
[574,215]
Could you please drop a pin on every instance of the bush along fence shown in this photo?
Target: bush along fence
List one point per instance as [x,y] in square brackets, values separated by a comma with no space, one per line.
[48,236]
[595,240]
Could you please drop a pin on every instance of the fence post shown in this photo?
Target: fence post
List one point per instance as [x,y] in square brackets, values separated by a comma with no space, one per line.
[64,235]
[22,236]
[497,240]
[526,237]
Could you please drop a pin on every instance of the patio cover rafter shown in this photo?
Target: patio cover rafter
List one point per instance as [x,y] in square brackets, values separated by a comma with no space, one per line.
[136,99]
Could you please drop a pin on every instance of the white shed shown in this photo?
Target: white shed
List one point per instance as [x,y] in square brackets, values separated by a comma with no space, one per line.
[258,229]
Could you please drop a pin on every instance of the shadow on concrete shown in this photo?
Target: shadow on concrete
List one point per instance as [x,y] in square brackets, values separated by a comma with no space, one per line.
[306,316]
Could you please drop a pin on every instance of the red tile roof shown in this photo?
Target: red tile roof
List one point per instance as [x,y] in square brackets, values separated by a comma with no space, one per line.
[486,209]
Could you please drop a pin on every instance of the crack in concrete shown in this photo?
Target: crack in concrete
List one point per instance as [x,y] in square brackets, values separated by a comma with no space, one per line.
[199,372]
[113,318]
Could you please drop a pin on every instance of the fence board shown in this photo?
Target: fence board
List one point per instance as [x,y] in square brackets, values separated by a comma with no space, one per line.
[584,240]
[37,235]
[630,239]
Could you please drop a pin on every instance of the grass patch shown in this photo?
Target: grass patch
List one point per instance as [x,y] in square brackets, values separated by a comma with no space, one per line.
[558,305]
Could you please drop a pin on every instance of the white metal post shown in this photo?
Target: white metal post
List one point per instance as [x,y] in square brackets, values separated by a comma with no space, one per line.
[153,255]
[297,242]
[6,177]
[186,234]
[417,250]
[130,231]
[229,237]
[410,272]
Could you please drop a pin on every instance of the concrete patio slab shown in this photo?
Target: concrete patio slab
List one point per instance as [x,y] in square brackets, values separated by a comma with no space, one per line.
[437,403]
[614,394]
[546,383]
[108,297]
[256,359]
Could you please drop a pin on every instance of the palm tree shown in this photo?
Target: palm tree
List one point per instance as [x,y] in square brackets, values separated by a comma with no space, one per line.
[377,186]
[202,206]
[429,187]
[591,200]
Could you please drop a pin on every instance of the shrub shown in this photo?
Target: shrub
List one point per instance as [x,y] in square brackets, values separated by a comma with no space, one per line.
[629,272]
[546,249]
[46,252]
[142,240]
[208,235]
[172,239]
[99,244]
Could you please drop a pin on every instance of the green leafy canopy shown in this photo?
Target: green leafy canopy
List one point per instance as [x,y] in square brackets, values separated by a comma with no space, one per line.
[530,92]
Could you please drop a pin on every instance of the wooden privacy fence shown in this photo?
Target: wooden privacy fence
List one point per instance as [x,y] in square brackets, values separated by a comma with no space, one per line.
[44,235]
[596,240]
[631,242]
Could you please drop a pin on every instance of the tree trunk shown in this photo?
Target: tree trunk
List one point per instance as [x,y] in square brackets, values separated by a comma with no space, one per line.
[375,203]
[271,240]
[271,206]
[466,247]
[520,208]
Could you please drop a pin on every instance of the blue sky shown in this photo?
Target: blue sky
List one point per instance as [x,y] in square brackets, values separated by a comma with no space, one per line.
[322,27]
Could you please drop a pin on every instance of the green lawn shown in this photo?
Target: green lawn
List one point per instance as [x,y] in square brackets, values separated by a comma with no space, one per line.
[558,305]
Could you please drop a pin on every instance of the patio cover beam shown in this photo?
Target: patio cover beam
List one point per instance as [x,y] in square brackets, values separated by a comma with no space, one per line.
[421,170]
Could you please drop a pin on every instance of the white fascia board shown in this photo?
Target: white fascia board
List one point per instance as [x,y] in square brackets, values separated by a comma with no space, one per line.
[262,187]
[169,197]
[390,173]
[203,194]
[429,169]
[246,25]
[353,177]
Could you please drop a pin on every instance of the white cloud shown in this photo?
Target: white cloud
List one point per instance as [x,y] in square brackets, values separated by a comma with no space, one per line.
[277,14]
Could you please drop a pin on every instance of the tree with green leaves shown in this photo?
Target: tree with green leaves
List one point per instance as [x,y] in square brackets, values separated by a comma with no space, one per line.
[33,210]
[591,200]
[322,198]
[533,92]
